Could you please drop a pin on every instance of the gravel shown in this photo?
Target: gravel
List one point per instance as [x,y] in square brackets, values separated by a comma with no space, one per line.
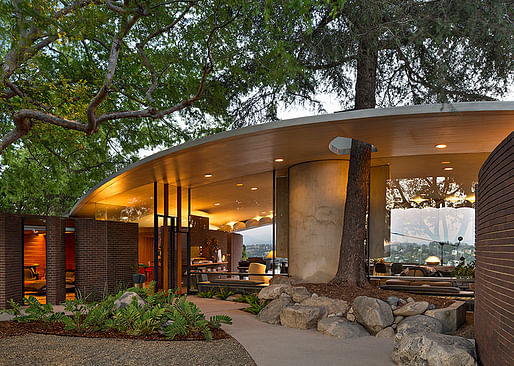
[43,349]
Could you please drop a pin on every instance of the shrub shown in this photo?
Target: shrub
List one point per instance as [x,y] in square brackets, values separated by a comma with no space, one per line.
[223,293]
[256,305]
[35,311]
[209,294]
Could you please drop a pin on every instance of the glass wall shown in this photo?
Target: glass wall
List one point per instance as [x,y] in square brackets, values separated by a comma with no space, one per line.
[428,217]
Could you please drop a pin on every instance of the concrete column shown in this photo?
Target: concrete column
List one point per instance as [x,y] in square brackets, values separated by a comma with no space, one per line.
[317,194]
[282,215]
[55,260]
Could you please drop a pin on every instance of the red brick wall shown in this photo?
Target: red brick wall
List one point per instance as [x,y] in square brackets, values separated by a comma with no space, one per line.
[55,260]
[11,259]
[104,250]
[494,292]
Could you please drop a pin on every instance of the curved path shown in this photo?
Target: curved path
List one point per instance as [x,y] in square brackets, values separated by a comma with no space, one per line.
[277,345]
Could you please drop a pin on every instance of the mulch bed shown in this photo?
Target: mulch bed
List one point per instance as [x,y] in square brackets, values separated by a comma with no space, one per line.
[11,328]
[349,293]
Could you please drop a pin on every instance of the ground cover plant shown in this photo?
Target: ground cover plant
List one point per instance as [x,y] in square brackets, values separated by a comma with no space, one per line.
[161,315]
[256,305]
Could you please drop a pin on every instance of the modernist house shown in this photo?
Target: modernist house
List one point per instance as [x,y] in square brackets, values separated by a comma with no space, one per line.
[173,210]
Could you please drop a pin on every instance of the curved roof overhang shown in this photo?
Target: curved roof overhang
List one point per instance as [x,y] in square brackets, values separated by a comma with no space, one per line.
[404,136]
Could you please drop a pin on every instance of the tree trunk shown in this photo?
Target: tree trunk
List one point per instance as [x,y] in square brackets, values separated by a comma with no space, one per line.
[351,269]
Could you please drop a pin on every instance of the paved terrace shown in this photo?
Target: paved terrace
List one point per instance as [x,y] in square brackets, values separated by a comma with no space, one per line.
[276,345]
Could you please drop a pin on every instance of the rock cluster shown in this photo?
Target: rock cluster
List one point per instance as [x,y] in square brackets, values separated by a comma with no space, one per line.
[416,326]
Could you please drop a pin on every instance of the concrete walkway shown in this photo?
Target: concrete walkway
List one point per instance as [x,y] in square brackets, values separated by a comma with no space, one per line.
[277,345]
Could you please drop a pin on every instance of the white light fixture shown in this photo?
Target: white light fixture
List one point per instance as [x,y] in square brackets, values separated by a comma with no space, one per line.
[343,146]
[254,188]
[448,168]
[278,160]
[217,204]
[239,184]
[441,146]
[207,175]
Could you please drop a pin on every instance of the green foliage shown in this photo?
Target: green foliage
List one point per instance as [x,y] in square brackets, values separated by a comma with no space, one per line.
[223,293]
[256,305]
[35,311]
[209,294]
[79,309]
[217,320]
[187,320]
[464,270]
[136,320]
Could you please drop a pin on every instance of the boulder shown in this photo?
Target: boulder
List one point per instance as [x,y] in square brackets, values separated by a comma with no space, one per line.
[432,349]
[412,308]
[350,317]
[386,333]
[283,280]
[418,324]
[300,316]
[410,299]
[373,313]
[341,328]
[272,292]
[452,317]
[298,293]
[271,312]
[393,300]
[398,319]
[328,305]
[127,298]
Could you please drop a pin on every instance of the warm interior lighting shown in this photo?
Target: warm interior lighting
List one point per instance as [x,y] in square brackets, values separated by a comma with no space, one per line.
[419,199]
[446,162]
[279,160]
[254,188]
[453,198]
[239,184]
[433,260]
[217,204]
[448,168]
[270,254]
[441,146]
[207,175]
[471,198]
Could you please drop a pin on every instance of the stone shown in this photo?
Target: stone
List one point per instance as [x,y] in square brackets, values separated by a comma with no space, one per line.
[386,333]
[394,326]
[393,300]
[410,299]
[398,319]
[350,317]
[418,324]
[412,308]
[302,317]
[374,314]
[331,315]
[341,328]
[283,280]
[402,302]
[431,307]
[233,297]
[315,295]
[432,349]
[394,307]
[126,299]
[452,317]
[340,313]
[298,293]
[272,292]
[271,312]
[327,304]
[350,311]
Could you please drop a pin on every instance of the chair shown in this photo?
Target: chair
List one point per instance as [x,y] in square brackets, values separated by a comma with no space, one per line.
[257,268]
[396,268]
[380,269]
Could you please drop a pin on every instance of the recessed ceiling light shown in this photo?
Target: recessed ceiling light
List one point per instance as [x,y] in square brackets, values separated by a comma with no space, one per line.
[239,184]
[279,160]
[441,146]
[448,168]
[254,188]
[446,162]
[207,175]
[217,204]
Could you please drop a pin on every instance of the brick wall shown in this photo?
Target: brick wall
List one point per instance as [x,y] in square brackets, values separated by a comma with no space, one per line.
[494,248]
[55,260]
[11,259]
[104,250]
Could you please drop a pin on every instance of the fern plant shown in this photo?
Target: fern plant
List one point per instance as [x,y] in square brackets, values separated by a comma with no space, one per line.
[76,321]
[223,293]
[256,305]
[36,311]
[137,321]
[216,320]
[187,320]
[209,294]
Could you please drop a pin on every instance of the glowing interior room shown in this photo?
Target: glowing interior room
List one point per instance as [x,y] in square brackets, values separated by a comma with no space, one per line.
[194,203]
